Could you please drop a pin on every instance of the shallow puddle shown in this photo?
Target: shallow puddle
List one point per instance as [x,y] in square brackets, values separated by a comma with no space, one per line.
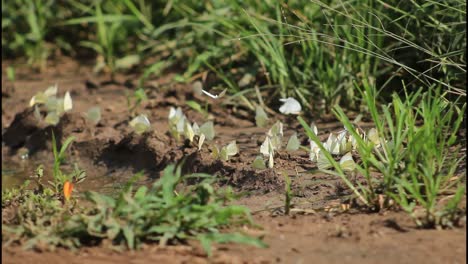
[15,173]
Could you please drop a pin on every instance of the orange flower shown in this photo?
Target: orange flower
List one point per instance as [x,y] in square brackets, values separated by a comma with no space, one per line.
[67,190]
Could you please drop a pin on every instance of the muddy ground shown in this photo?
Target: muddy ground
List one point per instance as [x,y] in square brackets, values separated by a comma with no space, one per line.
[111,153]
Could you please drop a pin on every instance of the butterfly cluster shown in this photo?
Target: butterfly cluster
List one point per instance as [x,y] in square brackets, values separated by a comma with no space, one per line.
[180,125]
[54,106]
[341,144]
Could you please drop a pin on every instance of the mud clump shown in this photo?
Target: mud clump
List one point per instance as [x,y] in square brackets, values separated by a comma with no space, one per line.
[241,177]
[146,152]
[28,132]
[23,126]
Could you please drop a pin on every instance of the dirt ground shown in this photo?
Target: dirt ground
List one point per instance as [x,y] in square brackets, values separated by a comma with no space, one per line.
[110,153]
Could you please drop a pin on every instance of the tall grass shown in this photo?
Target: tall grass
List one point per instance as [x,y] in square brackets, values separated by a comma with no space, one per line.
[416,162]
[307,50]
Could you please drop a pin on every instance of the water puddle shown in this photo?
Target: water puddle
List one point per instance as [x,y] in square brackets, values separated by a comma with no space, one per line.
[14,174]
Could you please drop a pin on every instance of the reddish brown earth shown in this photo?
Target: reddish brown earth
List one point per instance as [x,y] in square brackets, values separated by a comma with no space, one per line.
[317,232]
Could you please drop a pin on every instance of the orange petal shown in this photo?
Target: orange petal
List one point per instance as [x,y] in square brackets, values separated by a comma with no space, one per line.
[67,189]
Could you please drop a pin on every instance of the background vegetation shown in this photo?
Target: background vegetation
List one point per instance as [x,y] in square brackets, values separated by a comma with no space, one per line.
[312,50]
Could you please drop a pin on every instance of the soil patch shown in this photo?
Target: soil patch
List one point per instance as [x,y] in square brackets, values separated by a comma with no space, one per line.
[111,153]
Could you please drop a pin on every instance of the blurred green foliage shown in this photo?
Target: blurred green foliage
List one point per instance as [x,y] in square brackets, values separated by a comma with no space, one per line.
[305,49]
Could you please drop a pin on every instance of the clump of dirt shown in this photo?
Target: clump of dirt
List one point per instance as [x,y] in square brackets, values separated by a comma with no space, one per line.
[28,132]
[145,152]
[239,176]
[23,126]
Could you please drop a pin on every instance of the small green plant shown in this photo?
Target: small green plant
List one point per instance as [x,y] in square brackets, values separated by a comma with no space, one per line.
[414,149]
[59,177]
[111,31]
[167,212]
[135,100]
[26,25]
[197,107]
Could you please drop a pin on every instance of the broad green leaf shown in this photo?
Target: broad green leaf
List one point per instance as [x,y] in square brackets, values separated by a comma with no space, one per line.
[141,192]
[195,106]
[140,94]
[64,147]
[168,180]
[129,236]
[112,227]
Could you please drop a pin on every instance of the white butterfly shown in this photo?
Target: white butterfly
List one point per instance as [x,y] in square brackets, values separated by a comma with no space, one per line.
[314,151]
[141,124]
[67,102]
[347,163]
[290,106]
[215,96]
[331,145]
